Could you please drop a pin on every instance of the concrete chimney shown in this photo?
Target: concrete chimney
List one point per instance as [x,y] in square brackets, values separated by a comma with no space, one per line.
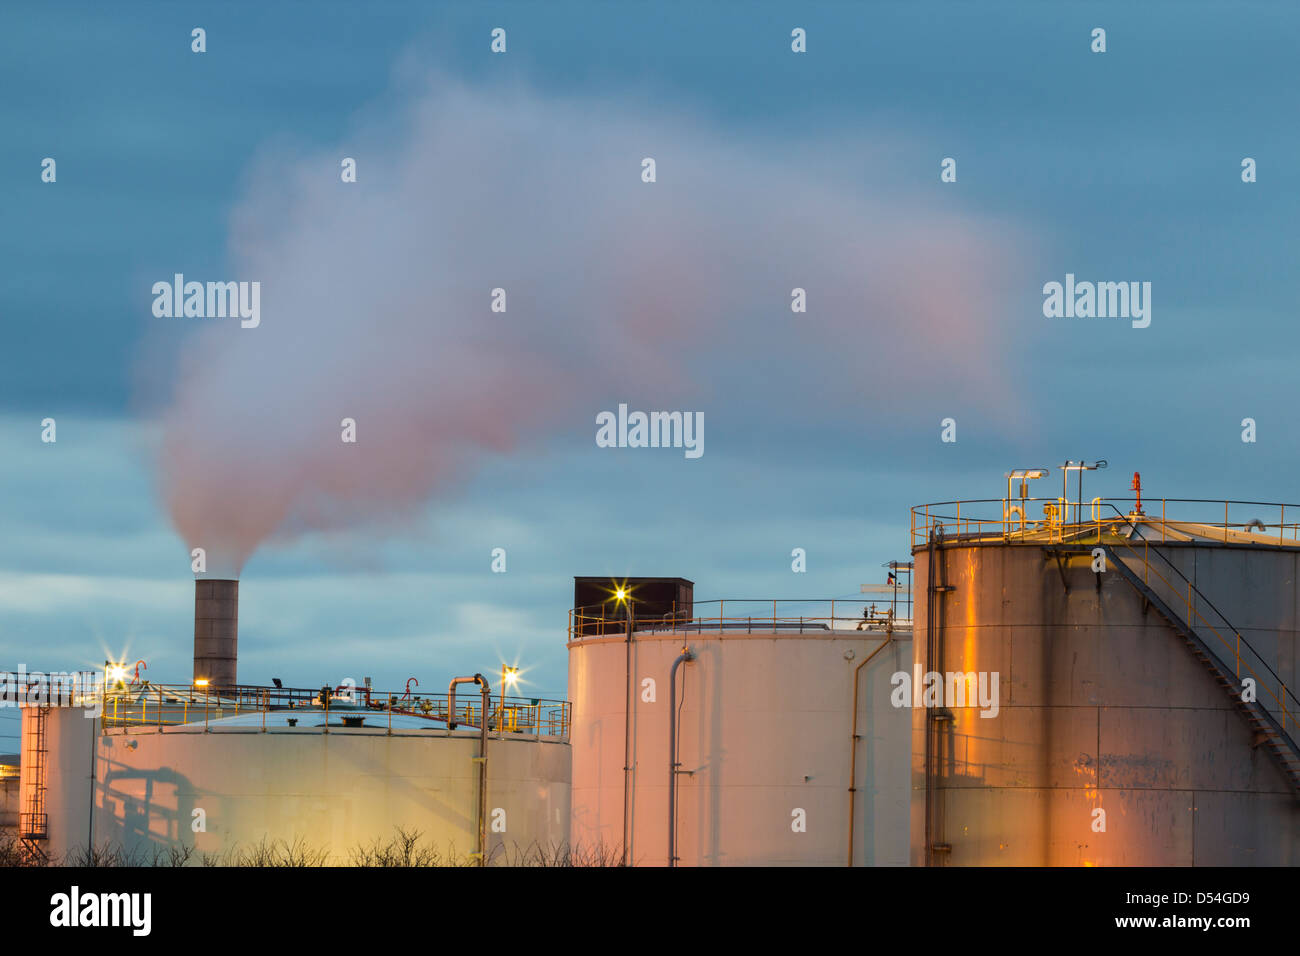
[216,631]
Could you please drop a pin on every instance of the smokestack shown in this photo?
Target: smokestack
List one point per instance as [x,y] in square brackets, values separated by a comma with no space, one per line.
[216,631]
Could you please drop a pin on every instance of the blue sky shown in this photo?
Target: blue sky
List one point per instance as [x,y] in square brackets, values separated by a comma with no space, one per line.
[1115,166]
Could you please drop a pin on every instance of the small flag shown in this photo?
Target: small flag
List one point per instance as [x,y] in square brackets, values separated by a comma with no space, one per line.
[891,580]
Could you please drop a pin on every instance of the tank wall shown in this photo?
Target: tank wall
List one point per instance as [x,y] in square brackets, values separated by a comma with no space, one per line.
[333,792]
[764,732]
[8,802]
[70,737]
[1102,707]
[1255,589]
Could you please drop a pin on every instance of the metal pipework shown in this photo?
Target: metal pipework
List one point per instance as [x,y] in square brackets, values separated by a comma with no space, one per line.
[627,742]
[682,658]
[481,759]
[1025,475]
[853,734]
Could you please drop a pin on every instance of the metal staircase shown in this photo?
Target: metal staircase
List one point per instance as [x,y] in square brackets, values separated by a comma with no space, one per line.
[1221,650]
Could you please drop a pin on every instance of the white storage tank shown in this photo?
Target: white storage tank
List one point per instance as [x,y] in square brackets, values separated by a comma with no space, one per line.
[224,784]
[765,733]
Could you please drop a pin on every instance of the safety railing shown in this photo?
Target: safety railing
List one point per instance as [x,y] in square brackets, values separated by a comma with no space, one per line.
[163,705]
[755,615]
[1062,519]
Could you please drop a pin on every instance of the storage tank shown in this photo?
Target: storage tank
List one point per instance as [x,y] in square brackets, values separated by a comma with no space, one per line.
[769,760]
[1121,637]
[162,769]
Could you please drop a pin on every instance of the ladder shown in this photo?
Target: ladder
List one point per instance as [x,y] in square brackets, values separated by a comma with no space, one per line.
[33,821]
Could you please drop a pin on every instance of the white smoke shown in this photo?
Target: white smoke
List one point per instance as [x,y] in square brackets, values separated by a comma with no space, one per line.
[375,301]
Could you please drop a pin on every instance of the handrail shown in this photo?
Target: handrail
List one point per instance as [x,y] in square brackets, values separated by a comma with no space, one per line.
[162,705]
[1055,519]
[870,612]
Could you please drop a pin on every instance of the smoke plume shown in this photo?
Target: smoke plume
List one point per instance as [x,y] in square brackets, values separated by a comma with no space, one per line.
[376,301]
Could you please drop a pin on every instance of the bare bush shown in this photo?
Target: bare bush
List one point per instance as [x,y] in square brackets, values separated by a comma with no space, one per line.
[406,848]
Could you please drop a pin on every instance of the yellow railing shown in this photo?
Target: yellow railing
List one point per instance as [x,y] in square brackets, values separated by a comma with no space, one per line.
[1062,519]
[164,706]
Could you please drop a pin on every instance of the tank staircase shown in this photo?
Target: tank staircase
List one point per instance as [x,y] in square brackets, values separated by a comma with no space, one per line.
[33,821]
[1220,649]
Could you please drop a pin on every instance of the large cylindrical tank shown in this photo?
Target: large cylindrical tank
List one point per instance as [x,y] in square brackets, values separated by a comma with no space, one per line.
[216,631]
[226,787]
[765,722]
[1112,742]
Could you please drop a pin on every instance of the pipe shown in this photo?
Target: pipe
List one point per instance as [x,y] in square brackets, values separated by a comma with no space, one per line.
[627,743]
[682,658]
[853,737]
[481,759]
[930,632]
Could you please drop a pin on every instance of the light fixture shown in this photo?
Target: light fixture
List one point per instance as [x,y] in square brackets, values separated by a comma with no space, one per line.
[1080,466]
[200,682]
[114,674]
[1025,475]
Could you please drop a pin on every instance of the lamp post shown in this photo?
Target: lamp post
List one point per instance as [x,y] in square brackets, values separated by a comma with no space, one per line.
[1080,466]
[1025,475]
[623,596]
[509,677]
